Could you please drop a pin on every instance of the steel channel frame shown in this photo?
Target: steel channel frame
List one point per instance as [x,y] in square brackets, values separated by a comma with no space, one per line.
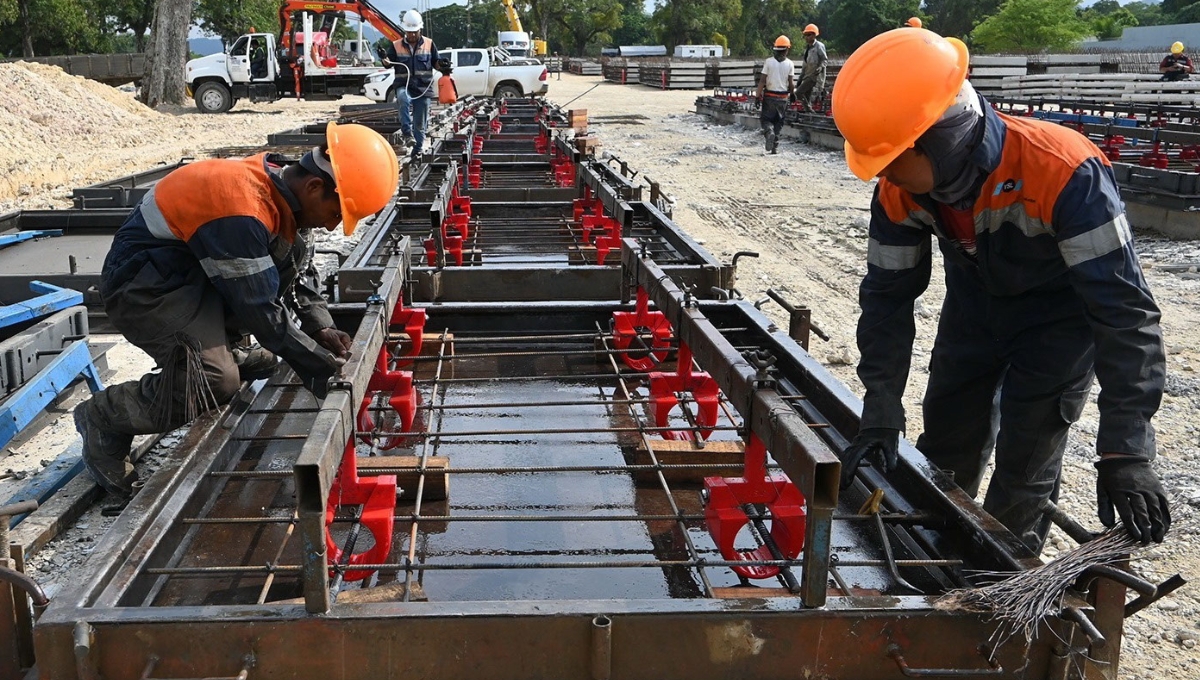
[650,639]
[571,282]
[123,192]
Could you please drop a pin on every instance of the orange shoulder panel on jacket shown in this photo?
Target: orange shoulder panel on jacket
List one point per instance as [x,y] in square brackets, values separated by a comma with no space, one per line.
[896,202]
[1039,159]
[199,193]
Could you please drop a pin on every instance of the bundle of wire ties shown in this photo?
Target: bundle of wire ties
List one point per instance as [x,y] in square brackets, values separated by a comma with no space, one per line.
[1024,600]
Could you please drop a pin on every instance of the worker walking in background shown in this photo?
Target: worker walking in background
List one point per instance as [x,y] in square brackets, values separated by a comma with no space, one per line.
[812,68]
[1043,290]
[413,57]
[1176,65]
[215,249]
[774,88]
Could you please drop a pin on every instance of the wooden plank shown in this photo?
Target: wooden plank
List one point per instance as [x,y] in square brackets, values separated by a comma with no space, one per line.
[437,478]
[739,592]
[672,452]
[391,592]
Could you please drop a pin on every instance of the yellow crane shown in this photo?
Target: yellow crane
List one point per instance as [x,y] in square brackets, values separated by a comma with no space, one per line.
[514,25]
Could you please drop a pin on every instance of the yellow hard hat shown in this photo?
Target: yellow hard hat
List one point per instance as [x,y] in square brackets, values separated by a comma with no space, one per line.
[891,90]
[782,42]
[1176,47]
[915,22]
[365,171]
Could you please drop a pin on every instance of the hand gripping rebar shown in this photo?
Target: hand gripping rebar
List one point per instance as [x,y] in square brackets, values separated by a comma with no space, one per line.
[628,326]
[401,397]
[725,516]
[377,495]
[664,391]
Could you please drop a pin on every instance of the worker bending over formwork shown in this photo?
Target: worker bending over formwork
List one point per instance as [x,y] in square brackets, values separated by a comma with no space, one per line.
[216,250]
[1043,290]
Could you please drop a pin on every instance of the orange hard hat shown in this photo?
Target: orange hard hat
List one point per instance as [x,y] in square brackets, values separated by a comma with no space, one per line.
[782,42]
[812,28]
[365,171]
[893,89]
[915,22]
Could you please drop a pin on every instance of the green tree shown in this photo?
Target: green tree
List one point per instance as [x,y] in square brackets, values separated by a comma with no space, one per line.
[682,22]
[228,19]
[580,22]
[957,17]
[1031,26]
[635,25]
[474,25]
[1147,13]
[133,16]
[1186,15]
[1110,26]
[764,20]
[853,22]
[47,27]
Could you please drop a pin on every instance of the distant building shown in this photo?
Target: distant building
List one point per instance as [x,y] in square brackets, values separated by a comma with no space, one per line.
[1152,38]
[699,51]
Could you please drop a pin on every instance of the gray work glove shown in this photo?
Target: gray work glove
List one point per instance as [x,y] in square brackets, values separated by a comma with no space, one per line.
[878,444]
[1129,484]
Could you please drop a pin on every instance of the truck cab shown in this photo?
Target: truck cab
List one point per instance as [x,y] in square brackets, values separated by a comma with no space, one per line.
[248,69]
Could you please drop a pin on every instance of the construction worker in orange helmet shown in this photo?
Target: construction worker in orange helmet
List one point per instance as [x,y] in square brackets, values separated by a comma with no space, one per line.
[813,68]
[914,22]
[774,90]
[217,250]
[1043,291]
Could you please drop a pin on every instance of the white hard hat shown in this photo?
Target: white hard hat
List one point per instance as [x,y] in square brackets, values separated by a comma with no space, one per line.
[412,21]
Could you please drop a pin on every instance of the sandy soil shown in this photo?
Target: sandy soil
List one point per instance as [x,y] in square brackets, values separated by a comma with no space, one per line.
[807,216]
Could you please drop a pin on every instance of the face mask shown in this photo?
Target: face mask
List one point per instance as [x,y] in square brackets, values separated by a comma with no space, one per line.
[949,145]
[780,55]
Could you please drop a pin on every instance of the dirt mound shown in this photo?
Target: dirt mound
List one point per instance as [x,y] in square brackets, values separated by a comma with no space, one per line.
[46,113]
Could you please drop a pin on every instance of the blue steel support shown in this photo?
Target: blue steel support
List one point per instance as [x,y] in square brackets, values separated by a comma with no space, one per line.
[26,403]
[9,239]
[51,299]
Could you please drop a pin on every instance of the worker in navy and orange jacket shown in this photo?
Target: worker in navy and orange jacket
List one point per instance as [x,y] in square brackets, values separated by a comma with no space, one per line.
[218,249]
[1043,290]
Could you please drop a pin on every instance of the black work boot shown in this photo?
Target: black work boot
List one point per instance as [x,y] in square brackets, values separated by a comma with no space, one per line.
[770,134]
[105,454]
[254,362]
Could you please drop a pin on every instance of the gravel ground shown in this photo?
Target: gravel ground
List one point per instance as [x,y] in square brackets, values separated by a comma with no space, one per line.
[807,216]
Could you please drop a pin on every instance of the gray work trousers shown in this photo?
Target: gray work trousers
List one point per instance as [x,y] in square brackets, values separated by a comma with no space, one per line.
[771,116]
[162,323]
[1007,377]
[810,89]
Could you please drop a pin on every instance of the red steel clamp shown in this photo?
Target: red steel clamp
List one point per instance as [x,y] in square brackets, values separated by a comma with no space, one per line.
[402,398]
[377,495]
[629,325]
[1155,158]
[413,322]
[725,517]
[665,388]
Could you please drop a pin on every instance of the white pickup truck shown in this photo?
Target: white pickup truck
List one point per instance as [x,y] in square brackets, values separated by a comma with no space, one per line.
[476,71]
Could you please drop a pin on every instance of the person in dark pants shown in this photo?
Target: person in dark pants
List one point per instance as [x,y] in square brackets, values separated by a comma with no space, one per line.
[1176,65]
[217,249]
[414,57]
[773,90]
[1043,290]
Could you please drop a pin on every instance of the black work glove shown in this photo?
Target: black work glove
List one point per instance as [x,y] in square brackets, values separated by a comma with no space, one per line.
[874,443]
[1129,484]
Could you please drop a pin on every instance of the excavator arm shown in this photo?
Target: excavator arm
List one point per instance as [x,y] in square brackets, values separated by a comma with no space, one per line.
[362,8]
